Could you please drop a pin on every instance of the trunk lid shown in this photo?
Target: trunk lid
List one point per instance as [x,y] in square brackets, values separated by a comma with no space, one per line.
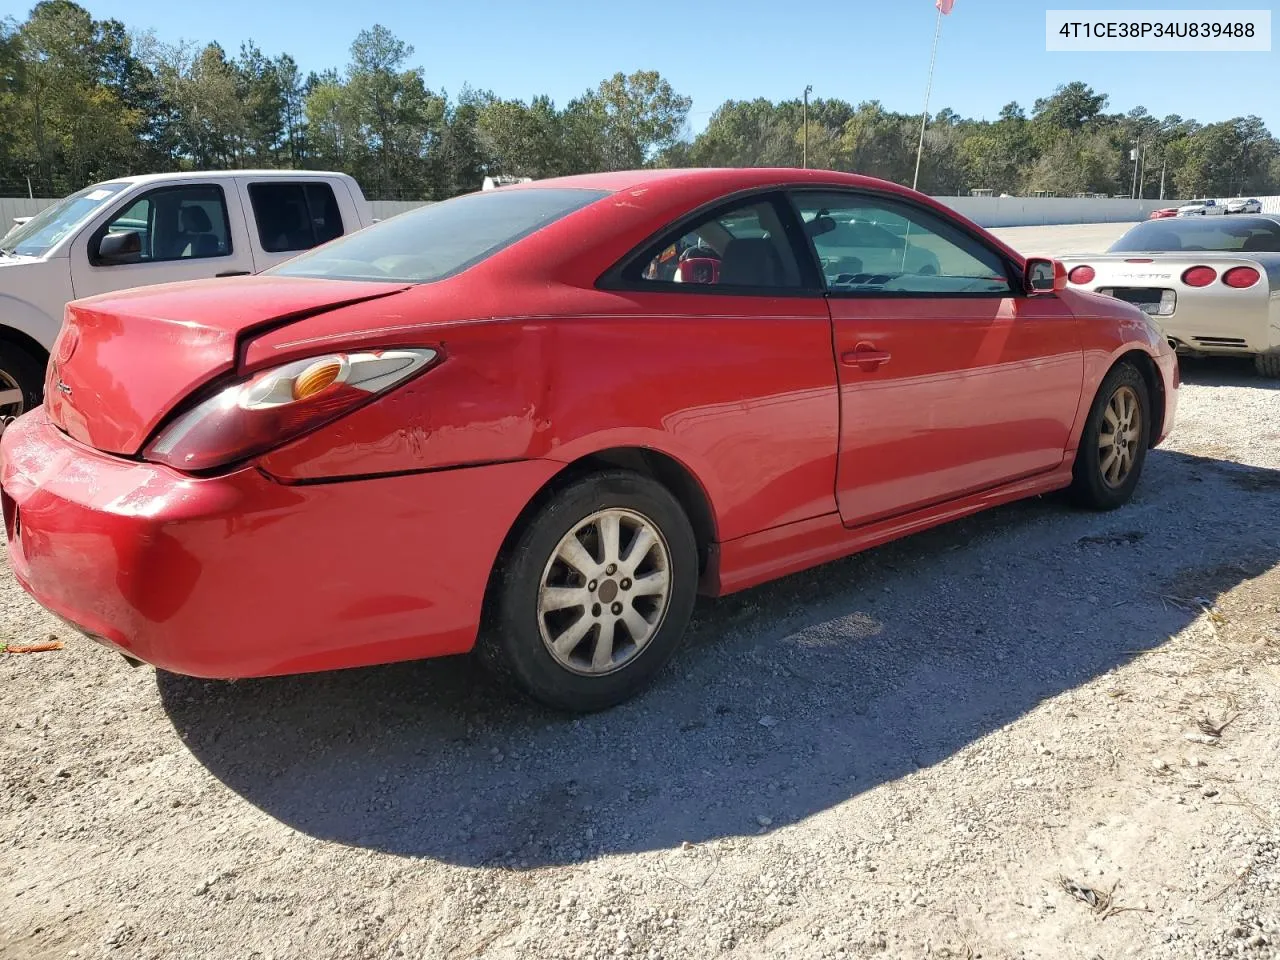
[122,361]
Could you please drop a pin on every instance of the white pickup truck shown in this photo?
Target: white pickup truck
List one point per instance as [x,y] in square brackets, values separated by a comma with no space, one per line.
[144,230]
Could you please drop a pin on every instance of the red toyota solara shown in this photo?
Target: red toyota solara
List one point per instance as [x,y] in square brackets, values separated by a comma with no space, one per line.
[537,421]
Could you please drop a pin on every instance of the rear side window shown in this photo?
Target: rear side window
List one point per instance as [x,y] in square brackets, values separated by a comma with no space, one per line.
[294,216]
[440,239]
[736,250]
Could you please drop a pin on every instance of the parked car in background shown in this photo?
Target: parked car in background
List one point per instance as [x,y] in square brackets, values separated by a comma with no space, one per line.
[1201,208]
[144,230]
[536,421]
[1240,205]
[1214,288]
[1163,214]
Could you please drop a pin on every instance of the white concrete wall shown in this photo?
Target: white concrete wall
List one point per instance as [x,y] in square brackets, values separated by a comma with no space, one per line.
[383,209]
[11,207]
[987,211]
[1043,211]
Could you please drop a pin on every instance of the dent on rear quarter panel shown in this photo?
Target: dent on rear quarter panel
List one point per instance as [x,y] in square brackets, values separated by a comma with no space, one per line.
[481,404]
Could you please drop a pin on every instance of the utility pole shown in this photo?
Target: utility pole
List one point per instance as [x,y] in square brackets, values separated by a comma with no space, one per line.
[807,90]
[1142,174]
[1163,166]
[1133,155]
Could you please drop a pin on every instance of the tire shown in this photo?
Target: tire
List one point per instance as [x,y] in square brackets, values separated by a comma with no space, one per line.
[522,623]
[20,370]
[1097,482]
[1268,364]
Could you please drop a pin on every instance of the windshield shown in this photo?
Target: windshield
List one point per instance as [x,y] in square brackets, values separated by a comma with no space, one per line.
[43,231]
[440,239]
[1236,235]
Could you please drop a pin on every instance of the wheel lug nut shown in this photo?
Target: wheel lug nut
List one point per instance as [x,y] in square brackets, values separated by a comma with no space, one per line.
[626,584]
[595,609]
[611,569]
[617,609]
[592,585]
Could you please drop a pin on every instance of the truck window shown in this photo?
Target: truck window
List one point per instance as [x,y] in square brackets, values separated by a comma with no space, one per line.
[176,223]
[294,216]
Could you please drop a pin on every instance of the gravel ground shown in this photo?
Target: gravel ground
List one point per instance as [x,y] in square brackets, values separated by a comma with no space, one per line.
[1001,739]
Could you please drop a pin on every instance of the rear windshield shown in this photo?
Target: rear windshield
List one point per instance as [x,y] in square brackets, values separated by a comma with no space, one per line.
[1229,235]
[440,239]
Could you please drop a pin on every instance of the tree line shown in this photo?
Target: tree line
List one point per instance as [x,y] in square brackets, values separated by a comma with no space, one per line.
[83,100]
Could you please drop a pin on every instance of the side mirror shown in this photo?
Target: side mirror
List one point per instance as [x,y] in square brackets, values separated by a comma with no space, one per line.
[123,247]
[1044,276]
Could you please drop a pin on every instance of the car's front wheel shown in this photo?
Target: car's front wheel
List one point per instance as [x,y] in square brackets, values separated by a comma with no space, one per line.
[21,380]
[595,594]
[1113,447]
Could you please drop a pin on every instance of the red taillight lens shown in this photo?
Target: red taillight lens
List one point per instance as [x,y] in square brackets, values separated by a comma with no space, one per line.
[1199,276]
[278,405]
[1241,277]
[1081,275]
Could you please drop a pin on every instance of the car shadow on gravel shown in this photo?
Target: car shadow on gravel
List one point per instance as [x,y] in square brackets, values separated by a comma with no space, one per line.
[787,700]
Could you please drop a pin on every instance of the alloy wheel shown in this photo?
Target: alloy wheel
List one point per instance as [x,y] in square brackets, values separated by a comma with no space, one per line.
[1119,437]
[604,592]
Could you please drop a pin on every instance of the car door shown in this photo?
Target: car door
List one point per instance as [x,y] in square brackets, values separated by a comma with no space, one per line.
[728,341]
[187,231]
[950,381]
[286,216]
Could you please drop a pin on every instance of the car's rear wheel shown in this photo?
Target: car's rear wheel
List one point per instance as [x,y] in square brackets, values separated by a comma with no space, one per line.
[21,380]
[1114,445]
[1268,364]
[595,594]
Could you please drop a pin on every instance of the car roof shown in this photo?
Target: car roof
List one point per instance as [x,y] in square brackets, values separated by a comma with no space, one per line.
[691,187]
[725,179]
[256,174]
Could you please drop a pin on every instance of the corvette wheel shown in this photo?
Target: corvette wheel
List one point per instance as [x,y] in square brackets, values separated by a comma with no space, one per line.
[595,595]
[1114,445]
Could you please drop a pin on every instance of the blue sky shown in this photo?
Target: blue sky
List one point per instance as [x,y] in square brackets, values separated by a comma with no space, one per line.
[992,51]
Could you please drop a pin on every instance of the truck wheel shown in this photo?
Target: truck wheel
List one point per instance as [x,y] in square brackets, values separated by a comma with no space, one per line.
[21,380]
[1268,364]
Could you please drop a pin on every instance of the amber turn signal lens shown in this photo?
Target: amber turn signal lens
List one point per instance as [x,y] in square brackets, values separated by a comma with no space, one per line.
[316,378]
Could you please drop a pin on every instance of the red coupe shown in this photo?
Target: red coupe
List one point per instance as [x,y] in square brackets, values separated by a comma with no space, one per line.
[537,421]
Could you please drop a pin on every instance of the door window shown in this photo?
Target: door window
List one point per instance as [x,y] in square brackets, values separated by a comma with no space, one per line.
[878,247]
[739,249]
[294,216]
[175,223]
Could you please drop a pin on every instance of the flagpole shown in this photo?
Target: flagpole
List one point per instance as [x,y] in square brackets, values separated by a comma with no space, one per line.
[924,119]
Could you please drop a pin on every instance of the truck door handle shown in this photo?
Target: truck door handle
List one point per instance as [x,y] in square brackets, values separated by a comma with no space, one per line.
[865,355]
[233,273]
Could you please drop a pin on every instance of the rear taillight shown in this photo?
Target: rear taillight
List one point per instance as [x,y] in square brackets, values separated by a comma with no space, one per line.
[1082,274]
[1199,276]
[1241,277]
[278,405]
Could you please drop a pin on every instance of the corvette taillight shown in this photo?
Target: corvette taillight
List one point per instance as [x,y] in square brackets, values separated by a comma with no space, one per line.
[1241,277]
[1081,274]
[1199,276]
[278,405]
